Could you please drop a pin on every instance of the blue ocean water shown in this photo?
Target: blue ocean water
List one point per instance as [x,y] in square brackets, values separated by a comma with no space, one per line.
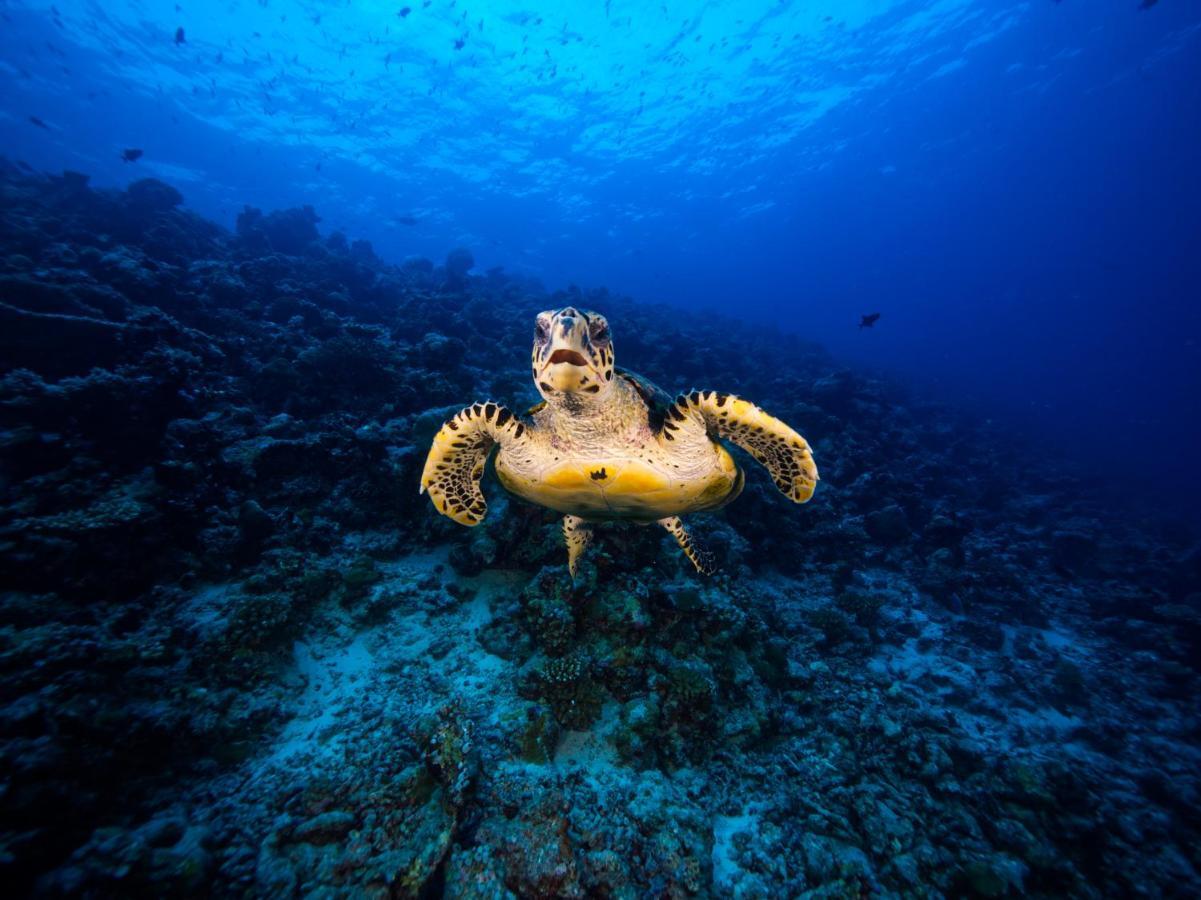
[1013,185]
[259,259]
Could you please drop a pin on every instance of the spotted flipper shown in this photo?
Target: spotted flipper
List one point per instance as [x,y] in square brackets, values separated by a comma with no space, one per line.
[783,452]
[578,535]
[455,463]
[700,558]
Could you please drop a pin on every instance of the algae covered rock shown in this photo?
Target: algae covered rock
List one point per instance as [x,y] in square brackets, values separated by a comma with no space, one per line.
[458,263]
[152,195]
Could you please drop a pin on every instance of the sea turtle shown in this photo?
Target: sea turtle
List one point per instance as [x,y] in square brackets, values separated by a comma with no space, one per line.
[606,444]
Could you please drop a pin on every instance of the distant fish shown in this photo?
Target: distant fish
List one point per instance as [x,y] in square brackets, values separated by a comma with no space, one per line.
[131,154]
[459,42]
[868,320]
[404,12]
[38,122]
[179,38]
[1147,4]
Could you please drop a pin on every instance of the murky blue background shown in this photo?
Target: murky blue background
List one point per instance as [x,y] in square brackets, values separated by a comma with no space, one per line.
[1014,186]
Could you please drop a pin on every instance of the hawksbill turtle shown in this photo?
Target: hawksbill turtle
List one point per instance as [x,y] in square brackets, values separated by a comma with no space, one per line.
[605,444]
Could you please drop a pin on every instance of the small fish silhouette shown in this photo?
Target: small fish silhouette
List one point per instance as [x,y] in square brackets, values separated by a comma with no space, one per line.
[868,320]
[38,122]
[131,154]
[179,38]
[404,12]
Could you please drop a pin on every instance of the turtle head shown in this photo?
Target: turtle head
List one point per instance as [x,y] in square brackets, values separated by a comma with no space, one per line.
[573,353]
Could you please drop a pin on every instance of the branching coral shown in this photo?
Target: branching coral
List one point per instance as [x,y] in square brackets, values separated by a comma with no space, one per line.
[570,691]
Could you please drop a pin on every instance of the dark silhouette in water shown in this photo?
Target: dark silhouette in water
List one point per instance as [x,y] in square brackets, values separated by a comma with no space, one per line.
[179,38]
[868,320]
[38,122]
[131,154]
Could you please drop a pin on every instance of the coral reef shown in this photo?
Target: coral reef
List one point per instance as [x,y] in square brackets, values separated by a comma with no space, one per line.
[239,656]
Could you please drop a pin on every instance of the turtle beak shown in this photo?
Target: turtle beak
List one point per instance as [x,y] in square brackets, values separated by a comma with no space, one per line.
[568,370]
[567,367]
[571,357]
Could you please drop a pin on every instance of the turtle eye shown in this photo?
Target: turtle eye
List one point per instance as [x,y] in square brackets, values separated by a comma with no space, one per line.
[599,332]
[541,331]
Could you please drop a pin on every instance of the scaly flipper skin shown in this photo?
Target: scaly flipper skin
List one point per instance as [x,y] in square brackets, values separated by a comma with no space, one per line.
[578,535]
[455,463]
[701,559]
[779,449]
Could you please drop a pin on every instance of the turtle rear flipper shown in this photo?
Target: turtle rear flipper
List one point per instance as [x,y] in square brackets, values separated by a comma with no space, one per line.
[455,463]
[700,558]
[578,535]
[775,446]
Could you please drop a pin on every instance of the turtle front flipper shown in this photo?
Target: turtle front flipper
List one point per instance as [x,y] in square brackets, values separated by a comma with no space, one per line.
[699,557]
[578,535]
[455,463]
[783,452]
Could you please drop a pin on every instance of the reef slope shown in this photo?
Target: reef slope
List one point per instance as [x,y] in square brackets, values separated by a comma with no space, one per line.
[239,655]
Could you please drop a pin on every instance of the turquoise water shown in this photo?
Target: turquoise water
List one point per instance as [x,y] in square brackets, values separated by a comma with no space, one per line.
[1013,183]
